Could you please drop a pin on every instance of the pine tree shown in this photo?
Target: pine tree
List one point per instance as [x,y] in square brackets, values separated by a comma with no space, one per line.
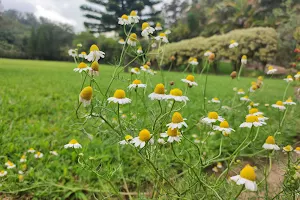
[102,15]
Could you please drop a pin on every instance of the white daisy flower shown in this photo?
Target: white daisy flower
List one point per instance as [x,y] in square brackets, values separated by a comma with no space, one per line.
[176,94]
[207,53]
[224,128]
[119,97]
[38,155]
[140,50]
[158,27]
[30,150]
[159,93]
[82,54]
[177,121]
[135,70]
[215,100]
[247,177]
[289,101]
[262,118]
[147,29]
[161,141]
[252,120]
[240,91]
[289,79]
[271,70]
[23,159]
[85,96]
[193,61]
[255,111]
[81,67]
[122,41]
[279,105]
[297,75]
[9,165]
[3,173]
[167,32]
[72,52]
[287,148]
[132,40]
[95,54]
[145,68]
[212,117]
[127,140]
[297,150]
[173,135]
[270,144]
[73,144]
[245,98]
[124,20]
[233,44]
[53,153]
[252,105]
[244,60]
[190,79]
[162,37]
[144,136]
[133,18]
[137,84]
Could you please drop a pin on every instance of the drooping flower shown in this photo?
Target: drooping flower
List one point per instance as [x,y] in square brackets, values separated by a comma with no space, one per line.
[81,67]
[23,158]
[94,69]
[224,128]
[9,165]
[271,70]
[240,91]
[139,50]
[207,53]
[270,144]
[3,173]
[233,44]
[244,60]
[95,54]
[289,101]
[262,118]
[124,20]
[193,61]
[279,105]
[119,97]
[121,41]
[135,70]
[147,29]
[190,79]
[158,26]
[85,95]
[297,150]
[253,88]
[82,54]
[159,92]
[145,68]
[252,105]
[255,111]
[177,121]
[252,120]
[297,75]
[137,84]
[212,117]
[162,37]
[245,98]
[176,95]
[133,18]
[247,177]
[144,136]
[127,140]
[38,155]
[73,144]
[215,100]
[31,150]
[172,134]
[289,79]
[132,40]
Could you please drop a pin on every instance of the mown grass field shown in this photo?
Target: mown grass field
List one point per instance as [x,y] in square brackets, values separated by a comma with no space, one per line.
[38,100]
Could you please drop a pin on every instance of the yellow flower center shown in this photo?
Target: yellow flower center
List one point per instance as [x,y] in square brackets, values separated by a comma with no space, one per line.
[213,115]
[260,78]
[133,37]
[246,97]
[159,89]
[232,41]
[121,40]
[9,163]
[73,141]
[95,66]
[248,173]
[145,25]
[86,93]
[253,110]
[297,149]
[82,65]
[270,140]
[128,137]
[144,135]
[216,99]
[240,90]
[177,118]
[176,92]
[190,78]
[279,103]
[136,69]
[133,13]
[158,24]
[2,172]
[288,148]
[162,35]
[119,94]
[124,17]
[251,119]
[83,53]
[195,60]
[140,48]
[191,59]
[31,149]
[23,157]
[270,68]
[136,82]
[146,66]
[173,133]
[289,100]
[289,76]
[244,57]
[94,48]
[38,153]
[224,124]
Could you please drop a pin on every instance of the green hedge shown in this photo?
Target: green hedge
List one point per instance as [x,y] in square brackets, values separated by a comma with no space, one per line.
[259,44]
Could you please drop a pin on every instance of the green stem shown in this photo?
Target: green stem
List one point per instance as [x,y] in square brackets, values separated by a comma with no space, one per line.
[241,190]
[119,119]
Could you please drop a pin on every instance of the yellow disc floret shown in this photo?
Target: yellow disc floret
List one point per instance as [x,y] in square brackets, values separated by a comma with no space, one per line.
[270,140]
[95,66]
[244,57]
[82,65]
[73,141]
[270,68]
[159,89]
[232,41]
[136,69]
[251,119]
[224,124]
[172,133]
[119,94]
[128,137]
[162,35]
[145,25]
[83,53]
[94,48]
[253,110]
[136,82]
[288,148]
[124,17]
[146,66]
[190,78]
[133,13]
[289,77]
[144,135]
[213,115]
[86,93]
[177,118]
[133,37]
[248,173]
[279,103]
[176,92]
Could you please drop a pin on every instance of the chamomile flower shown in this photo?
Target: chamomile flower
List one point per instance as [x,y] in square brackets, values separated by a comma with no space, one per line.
[233,44]
[127,140]
[85,95]
[172,134]
[271,70]
[119,97]
[38,155]
[297,150]
[161,141]
[212,117]
[145,68]
[176,95]
[9,165]
[162,37]
[23,158]
[73,144]
[193,61]
[190,79]
[95,54]
[252,120]
[215,100]
[135,70]
[252,105]
[121,41]
[133,18]
[136,84]
[287,148]
[132,40]
[289,79]
[159,92]
[3,173]
[240,91]
[53,153]
[139,50]
[215,169]
[255,111]
[147,29]
[94,69]
[245,98]
[247,177]
[262,118]
[81,67]
[219,165]
[270,144]
[244,60]
[224,128]
[158,26]
[167,32]
[144,136]
[124,20]
[279,105]
[31,150]
[253,88]
[72,52]
[82,54]
[177,121]
[297,76]
[207,53]
[289,101]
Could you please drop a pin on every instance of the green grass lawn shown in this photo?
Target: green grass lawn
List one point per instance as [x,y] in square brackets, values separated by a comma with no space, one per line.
[38,100]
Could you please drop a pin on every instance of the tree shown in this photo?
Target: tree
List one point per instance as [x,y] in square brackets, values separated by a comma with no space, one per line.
[173,11]
[103,15]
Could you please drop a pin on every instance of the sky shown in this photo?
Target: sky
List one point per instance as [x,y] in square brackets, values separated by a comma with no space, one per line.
[66,11]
